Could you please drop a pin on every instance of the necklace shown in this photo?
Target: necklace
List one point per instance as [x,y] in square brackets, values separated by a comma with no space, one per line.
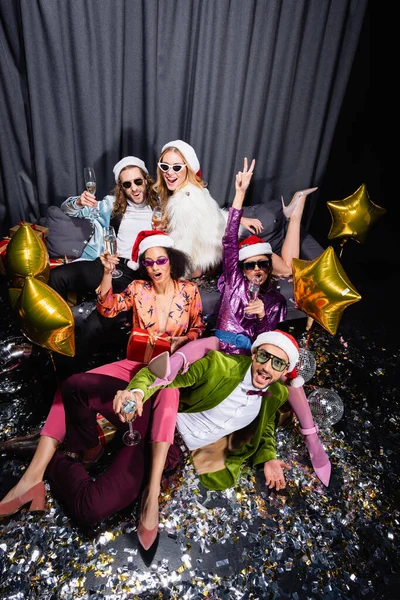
[164,302]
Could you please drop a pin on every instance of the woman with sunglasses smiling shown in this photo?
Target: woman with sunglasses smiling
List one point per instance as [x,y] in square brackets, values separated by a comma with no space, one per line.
[236,327]
[192,217]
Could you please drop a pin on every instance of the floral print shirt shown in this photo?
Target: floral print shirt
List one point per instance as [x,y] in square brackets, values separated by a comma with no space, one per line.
[185,315]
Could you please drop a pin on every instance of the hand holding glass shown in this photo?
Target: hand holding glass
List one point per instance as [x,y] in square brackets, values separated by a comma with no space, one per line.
[252,291]
[156,217]
[130,437]
[110,244]
[90,183]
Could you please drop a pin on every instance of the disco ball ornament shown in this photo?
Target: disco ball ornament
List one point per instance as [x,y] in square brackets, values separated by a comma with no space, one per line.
[306,365]
[326,407]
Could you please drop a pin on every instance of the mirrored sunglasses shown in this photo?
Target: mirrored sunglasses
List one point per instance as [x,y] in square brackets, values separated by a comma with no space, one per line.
[261,264]
[159,261]
[127,184]
[165,167]
[278,364]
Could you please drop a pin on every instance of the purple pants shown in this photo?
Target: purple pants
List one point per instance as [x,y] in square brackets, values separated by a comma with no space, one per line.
[89,501]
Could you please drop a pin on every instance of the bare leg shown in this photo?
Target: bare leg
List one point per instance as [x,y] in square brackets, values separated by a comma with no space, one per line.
[291,244]
[149,511]
[35,471]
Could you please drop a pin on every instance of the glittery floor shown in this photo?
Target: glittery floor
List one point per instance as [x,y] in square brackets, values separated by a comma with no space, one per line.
[308,542]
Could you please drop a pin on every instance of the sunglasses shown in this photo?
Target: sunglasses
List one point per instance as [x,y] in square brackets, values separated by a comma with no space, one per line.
[127,184]
[261,264]
[278,364]
[165,167]
[160,261]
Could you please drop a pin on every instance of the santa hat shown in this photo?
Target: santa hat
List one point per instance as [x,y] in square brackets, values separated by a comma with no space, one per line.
[145,240]
[187,151]
[128,161]
[288,344]
[253,246]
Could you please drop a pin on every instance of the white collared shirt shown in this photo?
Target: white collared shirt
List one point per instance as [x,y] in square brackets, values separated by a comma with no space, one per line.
[233,413]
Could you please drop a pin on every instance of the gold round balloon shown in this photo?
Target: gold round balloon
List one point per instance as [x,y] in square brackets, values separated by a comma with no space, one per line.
[27,256]
[322,289]
[45,317]
[353,216]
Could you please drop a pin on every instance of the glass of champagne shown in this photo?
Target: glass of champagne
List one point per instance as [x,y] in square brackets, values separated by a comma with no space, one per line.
[252,291]
[132,436]
[110,243]
[156,217]
[90,183]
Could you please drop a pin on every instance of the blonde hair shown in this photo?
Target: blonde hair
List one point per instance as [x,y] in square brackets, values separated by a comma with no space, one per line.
[160,187]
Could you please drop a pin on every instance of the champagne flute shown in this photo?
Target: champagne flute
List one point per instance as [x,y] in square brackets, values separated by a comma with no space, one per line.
[110,243]
[156,217]
[252,291]
[132,436]
[90,183]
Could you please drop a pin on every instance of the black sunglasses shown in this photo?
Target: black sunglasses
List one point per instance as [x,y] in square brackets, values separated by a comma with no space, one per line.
[127,184]
[261,264]
[278,364]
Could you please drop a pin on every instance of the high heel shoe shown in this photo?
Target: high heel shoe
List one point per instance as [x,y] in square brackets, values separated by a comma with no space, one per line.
[288,210]
[317,455]
[35,495]
[146,537]
[166,367]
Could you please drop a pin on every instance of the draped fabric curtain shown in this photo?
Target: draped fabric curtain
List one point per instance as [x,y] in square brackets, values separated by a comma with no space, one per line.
[86,82]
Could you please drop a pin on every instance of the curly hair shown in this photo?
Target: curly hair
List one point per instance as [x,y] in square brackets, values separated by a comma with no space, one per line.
[120,202]
[179,261]
[160,186]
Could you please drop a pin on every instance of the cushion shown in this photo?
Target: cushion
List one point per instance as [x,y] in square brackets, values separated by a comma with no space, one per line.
[68,236]
[273,220]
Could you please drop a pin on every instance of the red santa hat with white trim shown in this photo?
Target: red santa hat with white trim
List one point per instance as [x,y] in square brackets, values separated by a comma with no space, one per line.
[187,152]
[288,344]
[253,246]
[145,240]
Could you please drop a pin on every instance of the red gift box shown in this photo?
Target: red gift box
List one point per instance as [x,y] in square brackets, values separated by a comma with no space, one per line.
[42,231]
[3,252]
[143,346]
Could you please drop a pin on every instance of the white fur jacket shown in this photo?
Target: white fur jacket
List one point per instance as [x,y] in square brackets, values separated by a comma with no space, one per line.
[197,225]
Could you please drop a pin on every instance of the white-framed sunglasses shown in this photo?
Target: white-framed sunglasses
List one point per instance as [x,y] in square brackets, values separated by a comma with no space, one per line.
[165,167]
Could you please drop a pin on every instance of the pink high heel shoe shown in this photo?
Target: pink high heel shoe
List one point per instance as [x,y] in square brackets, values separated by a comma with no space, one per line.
[162,366]
[288,210]
[35,495]
[314,447]
[146,537]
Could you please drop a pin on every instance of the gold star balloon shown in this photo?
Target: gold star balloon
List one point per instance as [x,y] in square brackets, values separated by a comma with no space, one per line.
[45,318]
[354,216]
[26,256]
[322,289]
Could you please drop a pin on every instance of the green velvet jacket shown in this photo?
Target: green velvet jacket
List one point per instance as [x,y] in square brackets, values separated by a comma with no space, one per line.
[207,383]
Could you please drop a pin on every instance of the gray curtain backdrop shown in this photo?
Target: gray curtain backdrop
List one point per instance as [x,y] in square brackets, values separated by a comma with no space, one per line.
[86,82]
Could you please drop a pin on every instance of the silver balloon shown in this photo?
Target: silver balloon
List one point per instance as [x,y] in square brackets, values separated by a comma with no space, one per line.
[12,352]
[306,366]
[326,407]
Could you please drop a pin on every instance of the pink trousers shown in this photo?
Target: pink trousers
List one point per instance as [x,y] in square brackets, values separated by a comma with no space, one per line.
[165,405]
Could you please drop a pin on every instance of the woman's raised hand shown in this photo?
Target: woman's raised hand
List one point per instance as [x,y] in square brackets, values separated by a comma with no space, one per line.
[243,178]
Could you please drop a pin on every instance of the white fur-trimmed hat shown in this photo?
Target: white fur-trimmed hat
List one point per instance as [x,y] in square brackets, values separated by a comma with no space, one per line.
[288,344]
[128,161]
[187,151]
[252,246]
[145,240]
